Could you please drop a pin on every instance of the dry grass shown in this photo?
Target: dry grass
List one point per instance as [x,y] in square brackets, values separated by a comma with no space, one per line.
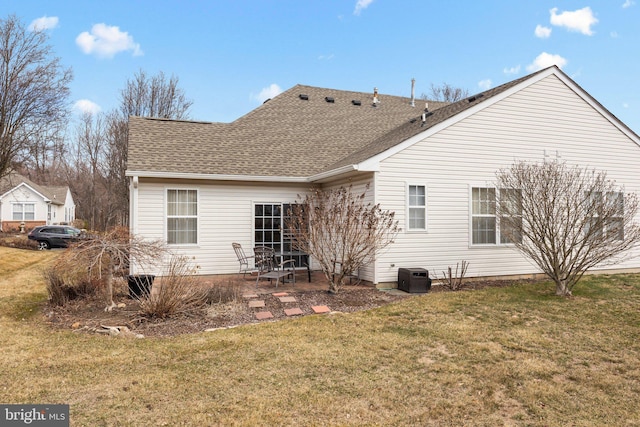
[501,356]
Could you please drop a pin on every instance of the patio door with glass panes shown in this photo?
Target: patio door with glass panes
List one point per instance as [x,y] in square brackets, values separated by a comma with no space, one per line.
[270,230]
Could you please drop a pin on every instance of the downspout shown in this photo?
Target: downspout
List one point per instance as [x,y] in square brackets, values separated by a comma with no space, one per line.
[133,213]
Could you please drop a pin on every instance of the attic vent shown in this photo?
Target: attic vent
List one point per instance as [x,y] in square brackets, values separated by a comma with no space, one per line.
[474,97]
[329,99]
[303,97]
[356,102]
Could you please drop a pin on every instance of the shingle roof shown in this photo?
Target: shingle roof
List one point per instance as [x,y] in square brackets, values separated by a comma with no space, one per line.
[289,136]
[57,194]
[286,136]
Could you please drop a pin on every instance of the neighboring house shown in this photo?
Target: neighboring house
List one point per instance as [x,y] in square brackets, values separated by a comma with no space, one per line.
[201,186]
[24,203]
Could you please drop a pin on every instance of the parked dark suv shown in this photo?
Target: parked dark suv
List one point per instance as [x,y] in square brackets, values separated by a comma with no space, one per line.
[54,236]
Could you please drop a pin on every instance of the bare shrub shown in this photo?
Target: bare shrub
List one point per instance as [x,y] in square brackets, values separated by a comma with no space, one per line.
[18,242]
[107,256]
[67,279]
[453,280]
[566,219]
[177,292]
[337,226]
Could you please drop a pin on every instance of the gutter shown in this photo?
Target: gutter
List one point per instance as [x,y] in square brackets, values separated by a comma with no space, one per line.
[216,177]
[244,178]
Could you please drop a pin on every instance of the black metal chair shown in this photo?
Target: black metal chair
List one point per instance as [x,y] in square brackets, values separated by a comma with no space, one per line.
[269,268]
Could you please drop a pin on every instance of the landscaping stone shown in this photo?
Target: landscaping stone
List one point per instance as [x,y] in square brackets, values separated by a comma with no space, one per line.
[287,299]
[262,315]
[318,309]
[256,304]
[293,311]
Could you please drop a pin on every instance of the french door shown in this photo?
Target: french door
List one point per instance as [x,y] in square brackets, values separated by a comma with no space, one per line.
[270,230]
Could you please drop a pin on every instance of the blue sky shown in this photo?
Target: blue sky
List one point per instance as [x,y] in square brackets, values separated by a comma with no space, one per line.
[230,56]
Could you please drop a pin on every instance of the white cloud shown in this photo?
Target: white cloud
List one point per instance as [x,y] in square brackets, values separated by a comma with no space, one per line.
[44,23]
[579,20]
[268,92]
[542,32]
[628,3]
[105,41]
[86,106]
[485,84]
[545,60]
[512,70]
[361,5]
[326,57]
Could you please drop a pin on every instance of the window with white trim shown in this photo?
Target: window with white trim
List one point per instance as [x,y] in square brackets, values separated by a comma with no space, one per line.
[483,216]
[486,227]
[182,217]
[417,207]
[613,229]
[24,211]
[511,200]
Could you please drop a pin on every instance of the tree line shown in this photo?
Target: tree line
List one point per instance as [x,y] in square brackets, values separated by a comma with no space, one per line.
[42,140]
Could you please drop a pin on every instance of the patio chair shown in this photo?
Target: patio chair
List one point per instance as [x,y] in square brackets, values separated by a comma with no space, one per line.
[243,259]
[269,268]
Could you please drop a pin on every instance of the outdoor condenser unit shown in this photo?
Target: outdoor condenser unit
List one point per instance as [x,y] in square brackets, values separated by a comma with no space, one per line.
[414,280]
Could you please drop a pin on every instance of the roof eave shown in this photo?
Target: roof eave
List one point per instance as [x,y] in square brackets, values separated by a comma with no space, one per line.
[216,177]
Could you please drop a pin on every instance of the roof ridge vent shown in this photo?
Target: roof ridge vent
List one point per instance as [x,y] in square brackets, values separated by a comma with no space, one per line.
[356,102]
[304,97]
[329,99]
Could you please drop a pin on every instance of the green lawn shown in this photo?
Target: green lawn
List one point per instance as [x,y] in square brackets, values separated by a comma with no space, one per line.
[504,356]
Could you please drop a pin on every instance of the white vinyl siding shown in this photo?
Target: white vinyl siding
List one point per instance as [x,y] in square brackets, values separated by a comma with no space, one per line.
[546,117]
[225,215]
[417,207]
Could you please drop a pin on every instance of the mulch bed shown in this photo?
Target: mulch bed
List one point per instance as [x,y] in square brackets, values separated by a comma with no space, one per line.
[88,315]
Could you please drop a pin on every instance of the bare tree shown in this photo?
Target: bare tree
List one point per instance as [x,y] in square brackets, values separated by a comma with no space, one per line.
[446,93]
[103,256]
[91,170]
[565,219]
[33,91]
[146,96]
[338,227]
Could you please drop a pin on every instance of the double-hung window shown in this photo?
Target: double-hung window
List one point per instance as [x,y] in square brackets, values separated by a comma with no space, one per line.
[417,207]
[615,226]
[511,215]
[483,216]
[487,228]
[182,217]
[612,227]
[24,211]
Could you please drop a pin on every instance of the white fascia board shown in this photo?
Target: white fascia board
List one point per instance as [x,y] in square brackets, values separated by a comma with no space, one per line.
[373,163]
[334,172]
[216,177]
